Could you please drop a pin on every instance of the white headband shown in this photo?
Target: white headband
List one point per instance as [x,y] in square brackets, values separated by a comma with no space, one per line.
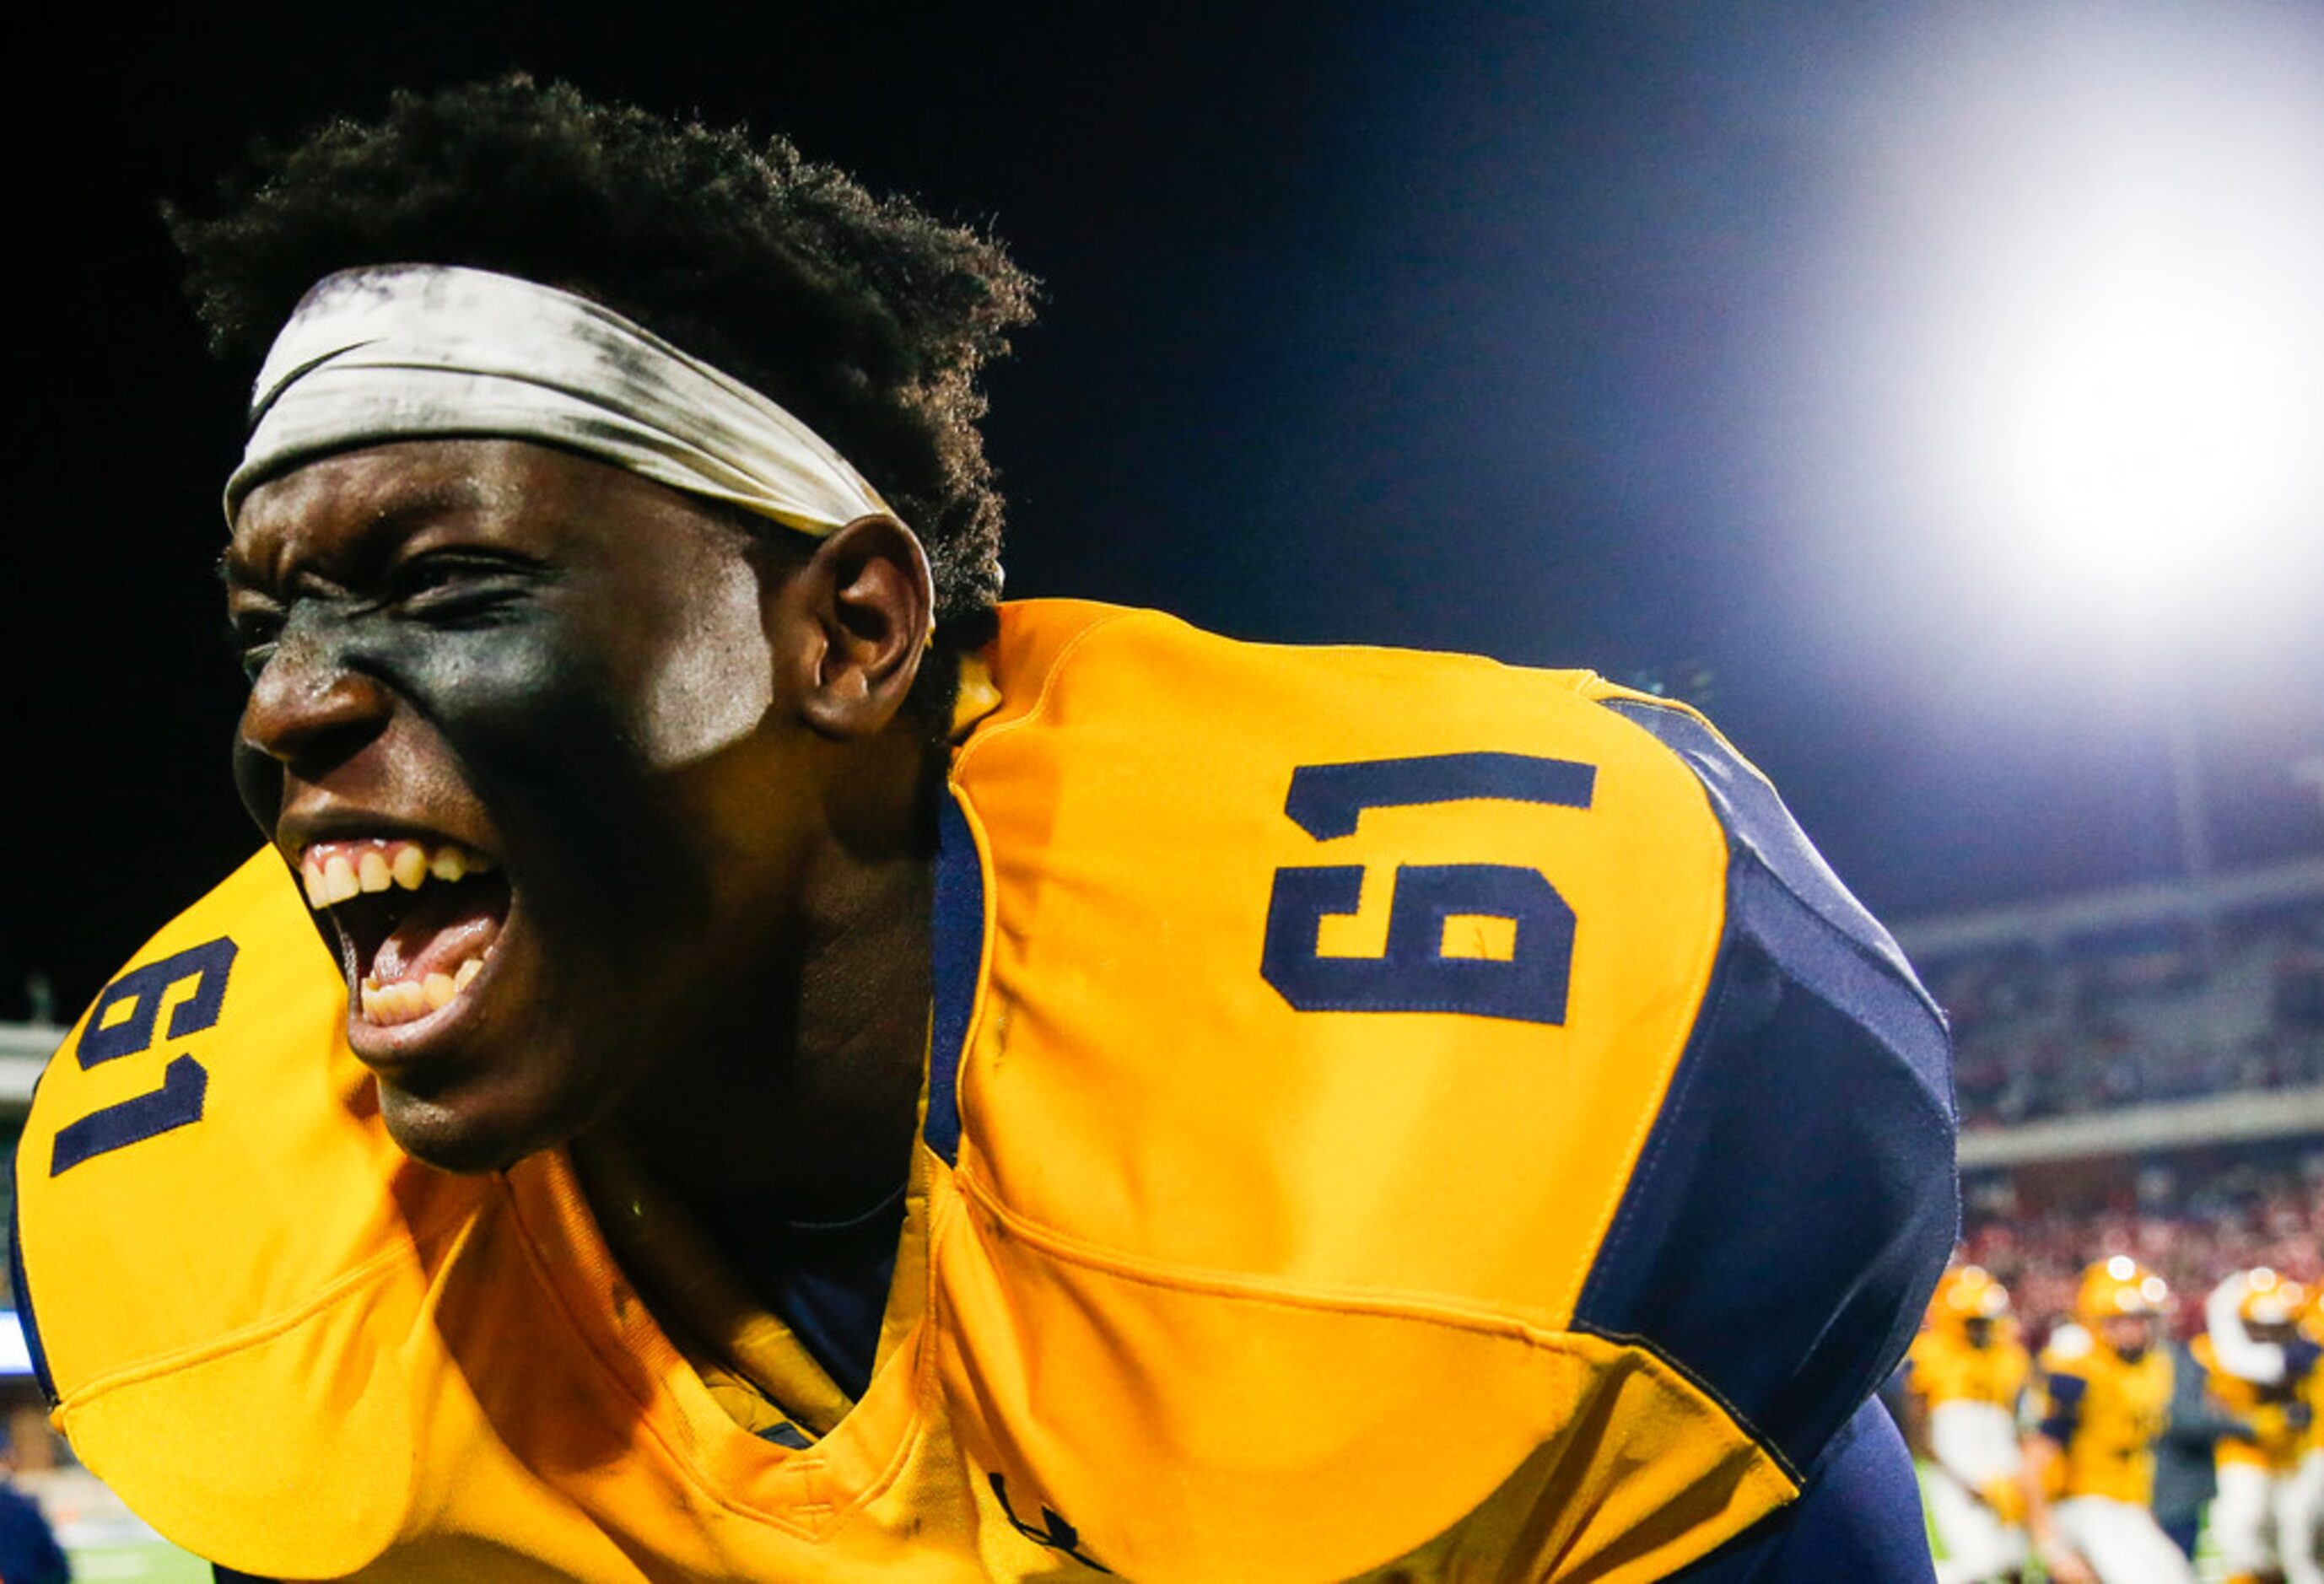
[401,352]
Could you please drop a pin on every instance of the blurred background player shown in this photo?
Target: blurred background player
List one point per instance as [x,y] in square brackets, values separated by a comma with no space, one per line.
[2186,1475]
[2090,1465]
[2304,1513]
[1967,1372]
[2257,1366]
[29,1552]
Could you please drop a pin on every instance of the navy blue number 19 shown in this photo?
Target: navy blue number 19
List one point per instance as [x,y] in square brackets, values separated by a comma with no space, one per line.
[123,1023]
[1415,975]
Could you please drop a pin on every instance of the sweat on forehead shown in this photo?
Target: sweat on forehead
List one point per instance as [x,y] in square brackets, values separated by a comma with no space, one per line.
[425,351]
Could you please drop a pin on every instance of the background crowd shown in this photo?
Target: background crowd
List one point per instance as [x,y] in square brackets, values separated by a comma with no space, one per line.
[2191,1222]
[2161,1012]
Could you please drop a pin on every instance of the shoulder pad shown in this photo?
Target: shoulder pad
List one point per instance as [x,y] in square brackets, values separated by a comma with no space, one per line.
[196,1336]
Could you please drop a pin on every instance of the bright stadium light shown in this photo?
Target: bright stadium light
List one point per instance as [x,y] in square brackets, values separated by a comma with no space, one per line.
[2083,248]
[2143,410]
[2153,422]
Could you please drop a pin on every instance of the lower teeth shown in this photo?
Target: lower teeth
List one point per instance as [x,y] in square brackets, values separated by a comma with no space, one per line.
[408,999]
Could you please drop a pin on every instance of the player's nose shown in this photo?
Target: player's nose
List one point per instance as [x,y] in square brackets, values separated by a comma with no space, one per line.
[308,705]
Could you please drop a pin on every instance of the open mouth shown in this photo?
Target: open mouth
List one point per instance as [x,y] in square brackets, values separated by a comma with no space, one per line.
[416,919]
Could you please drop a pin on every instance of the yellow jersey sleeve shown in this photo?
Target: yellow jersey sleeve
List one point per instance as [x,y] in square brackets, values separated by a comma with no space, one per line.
[203,1172]
[1490,1036]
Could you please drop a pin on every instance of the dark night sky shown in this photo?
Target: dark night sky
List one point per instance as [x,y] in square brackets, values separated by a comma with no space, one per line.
[1572,335]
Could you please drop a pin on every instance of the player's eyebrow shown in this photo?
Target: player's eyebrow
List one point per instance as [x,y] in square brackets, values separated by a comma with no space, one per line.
[233,575]
[407,510]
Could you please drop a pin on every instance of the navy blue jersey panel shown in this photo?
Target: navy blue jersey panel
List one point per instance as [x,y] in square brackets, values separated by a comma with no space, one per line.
[1894,1390]
[26,1320]
[833,1306]
[1812,957]
[1795,1200]
[956,953]
[1757,821]
[1858,1518]
[829,1283]
[2065,1405]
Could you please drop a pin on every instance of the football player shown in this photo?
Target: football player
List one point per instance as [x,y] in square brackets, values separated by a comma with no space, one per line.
[2090,1465]
[2257,1366]
[740,1058]
[2303,1521]
[1968,1370]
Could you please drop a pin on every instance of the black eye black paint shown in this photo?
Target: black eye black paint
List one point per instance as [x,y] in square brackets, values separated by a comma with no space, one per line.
[532,716]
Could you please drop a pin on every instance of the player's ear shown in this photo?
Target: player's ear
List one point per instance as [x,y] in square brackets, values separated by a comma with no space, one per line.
[869,595]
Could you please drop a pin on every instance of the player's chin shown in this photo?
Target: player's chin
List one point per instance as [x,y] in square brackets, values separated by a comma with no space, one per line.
[467,1129]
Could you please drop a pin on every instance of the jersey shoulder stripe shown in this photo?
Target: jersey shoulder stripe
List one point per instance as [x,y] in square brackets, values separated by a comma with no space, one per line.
[957,962]
[28,1320]
[1797,1202]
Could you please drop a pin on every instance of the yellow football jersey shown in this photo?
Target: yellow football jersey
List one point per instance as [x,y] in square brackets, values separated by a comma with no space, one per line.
[1946,1368]
[2312,1439]
[2278,1417]
[2312,1339]
[1386,1112]
[2107,1412]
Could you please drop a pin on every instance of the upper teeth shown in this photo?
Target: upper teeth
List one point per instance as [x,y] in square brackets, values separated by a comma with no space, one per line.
[333,871]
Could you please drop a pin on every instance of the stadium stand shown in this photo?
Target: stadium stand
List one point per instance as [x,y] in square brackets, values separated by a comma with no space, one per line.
[2146,995]
[2140,1070]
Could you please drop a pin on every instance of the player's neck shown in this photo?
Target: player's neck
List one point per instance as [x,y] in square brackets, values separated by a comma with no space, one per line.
[800,1098]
